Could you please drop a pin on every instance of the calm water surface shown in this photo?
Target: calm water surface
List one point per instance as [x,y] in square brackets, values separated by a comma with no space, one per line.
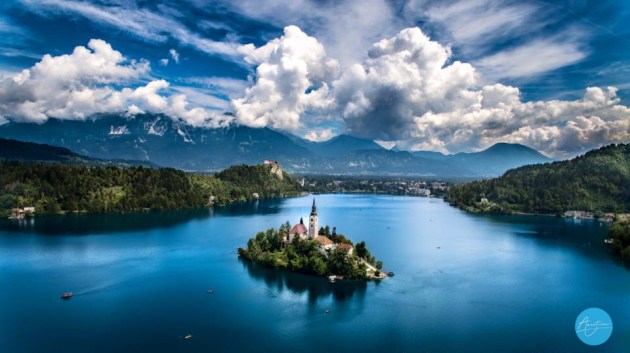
[464,283]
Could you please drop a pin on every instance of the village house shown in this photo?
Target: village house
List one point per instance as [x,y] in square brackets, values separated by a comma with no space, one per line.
[22,212]
[579,214]
[623,217]
[347,247]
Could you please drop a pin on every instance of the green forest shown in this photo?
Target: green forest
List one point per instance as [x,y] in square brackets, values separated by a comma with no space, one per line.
[302,255]
[598,181]
[62,188]
[620,233]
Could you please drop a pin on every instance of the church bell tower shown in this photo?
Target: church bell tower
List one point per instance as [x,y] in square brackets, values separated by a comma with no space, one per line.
[313,223]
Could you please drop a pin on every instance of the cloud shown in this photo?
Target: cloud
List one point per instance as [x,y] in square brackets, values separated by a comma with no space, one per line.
[408,92]
[175,55]
[291,77]
[164,62]
[501,37]
[140,22]
[476,23]
[557,128]
[319,135]
[517,62]
[78,85]
[404,77]
[219,86]
[346,28]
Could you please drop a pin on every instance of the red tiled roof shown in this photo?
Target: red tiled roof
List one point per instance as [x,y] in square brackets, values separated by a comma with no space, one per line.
[323,240]
[344,246]
[299,229]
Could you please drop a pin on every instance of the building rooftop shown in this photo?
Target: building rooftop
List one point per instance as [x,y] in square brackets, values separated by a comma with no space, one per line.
[323,240]
[299,228]
[344,246]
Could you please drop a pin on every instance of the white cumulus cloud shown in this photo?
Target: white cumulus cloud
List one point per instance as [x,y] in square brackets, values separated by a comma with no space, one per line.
[78,85]
[410,93]
[292,74]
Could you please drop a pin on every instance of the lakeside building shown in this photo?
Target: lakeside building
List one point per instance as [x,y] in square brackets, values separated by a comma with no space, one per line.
[22,212]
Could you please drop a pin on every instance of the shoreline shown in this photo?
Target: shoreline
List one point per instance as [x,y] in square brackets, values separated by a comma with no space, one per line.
[149,210]
[325,276]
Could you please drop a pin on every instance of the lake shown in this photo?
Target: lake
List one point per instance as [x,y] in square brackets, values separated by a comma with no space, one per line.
[463,283]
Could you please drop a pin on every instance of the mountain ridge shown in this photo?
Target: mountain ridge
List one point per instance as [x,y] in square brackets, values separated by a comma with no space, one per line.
[165,142]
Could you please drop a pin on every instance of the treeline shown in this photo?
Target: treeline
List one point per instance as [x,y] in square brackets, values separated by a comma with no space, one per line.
[620,233]
[302,255]
[59,188]
[249,179]
[598,181]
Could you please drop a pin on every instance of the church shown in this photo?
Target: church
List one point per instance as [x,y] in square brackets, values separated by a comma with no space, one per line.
[300,229]
[324,243]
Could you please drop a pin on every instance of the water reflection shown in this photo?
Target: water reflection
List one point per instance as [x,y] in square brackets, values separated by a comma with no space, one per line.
[82,224]
[103,223]
[315,287]
[261,207]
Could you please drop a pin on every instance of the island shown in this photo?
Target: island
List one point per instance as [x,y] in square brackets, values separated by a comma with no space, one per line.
[314,250]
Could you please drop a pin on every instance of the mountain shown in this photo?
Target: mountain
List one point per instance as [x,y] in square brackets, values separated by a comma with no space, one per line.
[490,162]
[159,139]
[499,158]
[435,156]
[342,145]
[29,151]
[598,181]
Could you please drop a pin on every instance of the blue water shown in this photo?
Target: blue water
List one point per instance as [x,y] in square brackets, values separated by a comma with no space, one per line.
[464,282]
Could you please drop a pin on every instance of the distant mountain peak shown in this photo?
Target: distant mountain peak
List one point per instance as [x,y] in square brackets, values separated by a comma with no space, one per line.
[171,143]
[513,148]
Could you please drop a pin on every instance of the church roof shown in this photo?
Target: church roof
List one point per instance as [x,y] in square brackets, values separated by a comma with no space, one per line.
[323,240]
[299,228]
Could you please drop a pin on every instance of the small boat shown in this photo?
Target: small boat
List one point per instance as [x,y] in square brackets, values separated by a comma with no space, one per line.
[188,336]
[608,241]
[327,311]
[66,295]
[210,290]
[390,274]
[332,279]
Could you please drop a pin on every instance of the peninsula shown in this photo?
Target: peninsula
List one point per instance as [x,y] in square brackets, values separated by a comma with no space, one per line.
[314,250]
[34,187]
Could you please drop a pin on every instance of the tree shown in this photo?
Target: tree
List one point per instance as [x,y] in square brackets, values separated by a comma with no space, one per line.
[360,250]
[379,265]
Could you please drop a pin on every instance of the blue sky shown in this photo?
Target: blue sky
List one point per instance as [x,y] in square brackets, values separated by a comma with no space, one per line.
[549,51]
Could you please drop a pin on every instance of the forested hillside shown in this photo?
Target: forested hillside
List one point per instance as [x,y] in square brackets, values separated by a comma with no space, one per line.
[598,181]
[58,188]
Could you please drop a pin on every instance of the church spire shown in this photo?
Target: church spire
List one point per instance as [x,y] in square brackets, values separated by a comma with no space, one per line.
[313,222]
